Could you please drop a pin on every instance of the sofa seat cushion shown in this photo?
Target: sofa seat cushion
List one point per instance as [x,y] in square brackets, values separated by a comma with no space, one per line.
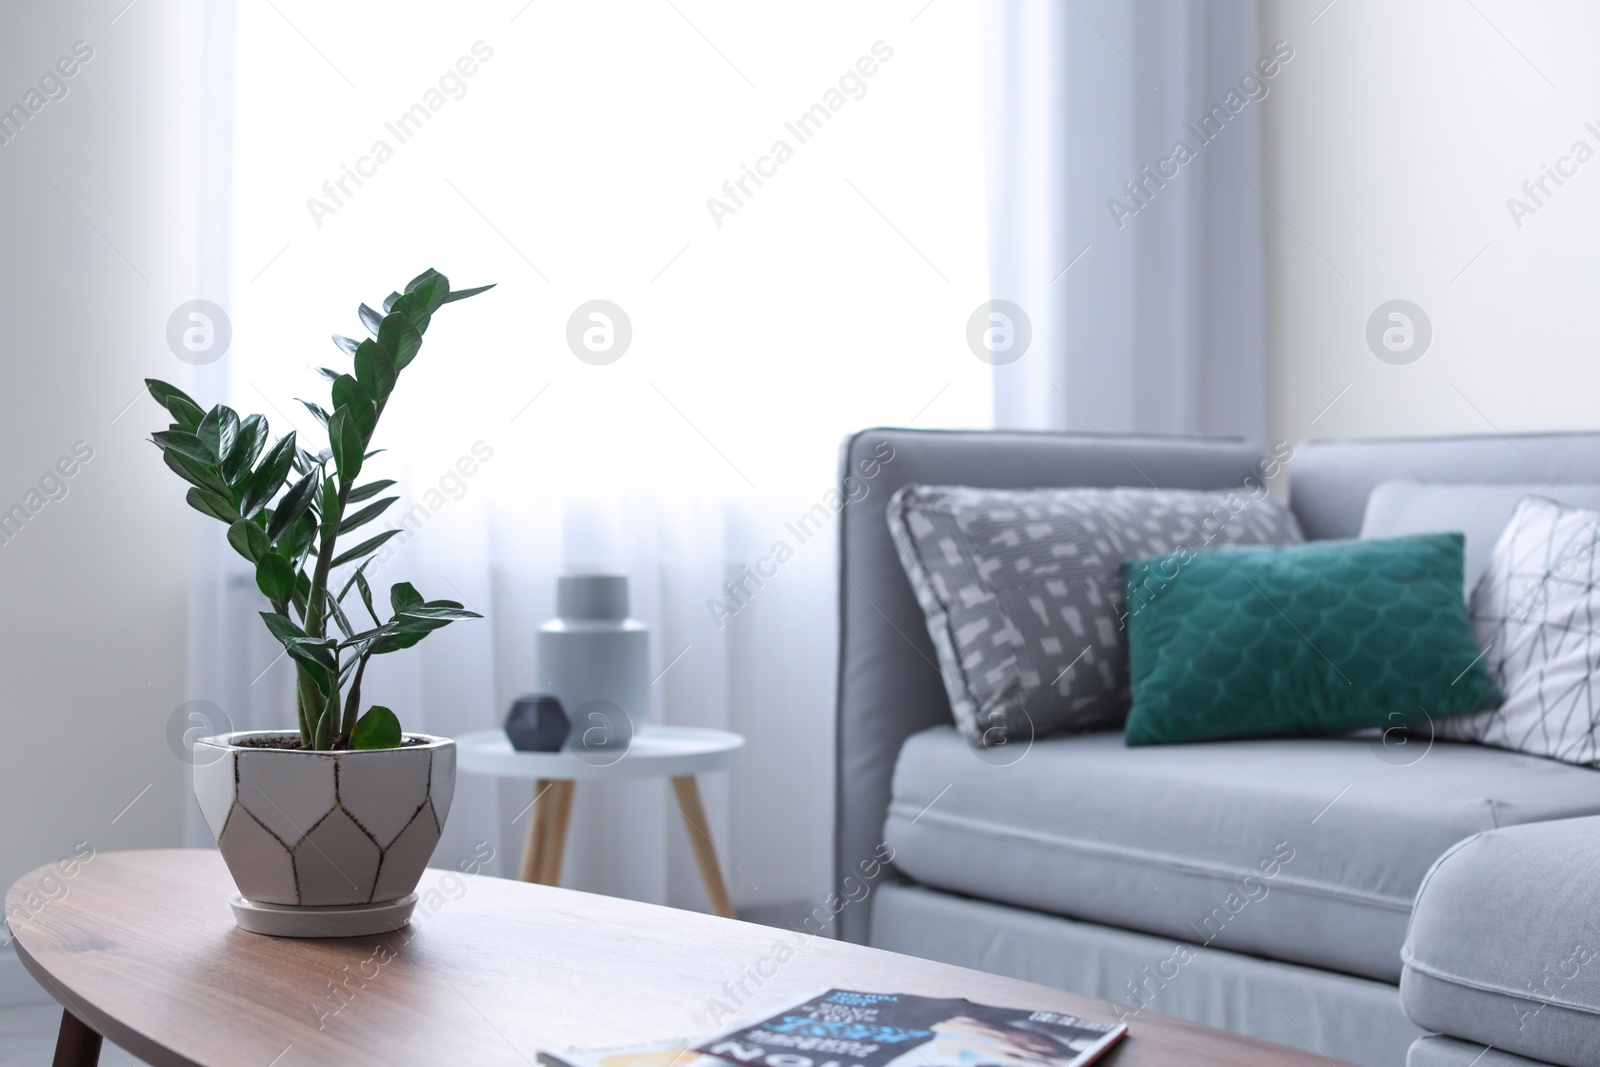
[1303,850]
[1504,947]
[1437,1050]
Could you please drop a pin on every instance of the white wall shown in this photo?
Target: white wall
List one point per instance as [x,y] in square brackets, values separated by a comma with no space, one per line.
[100,235]
[1393,142]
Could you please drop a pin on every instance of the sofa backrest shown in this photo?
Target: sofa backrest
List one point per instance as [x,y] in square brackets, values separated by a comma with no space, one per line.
[889,685]
[1329,481]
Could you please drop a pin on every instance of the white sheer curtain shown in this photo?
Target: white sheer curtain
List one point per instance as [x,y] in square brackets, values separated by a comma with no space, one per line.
[575,162]
[1139,264]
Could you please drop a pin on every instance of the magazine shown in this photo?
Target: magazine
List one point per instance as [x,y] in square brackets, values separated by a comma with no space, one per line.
[844,1028]
[674,1052]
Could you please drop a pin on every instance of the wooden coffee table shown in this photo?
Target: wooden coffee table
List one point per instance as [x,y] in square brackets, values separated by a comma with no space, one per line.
[142,948]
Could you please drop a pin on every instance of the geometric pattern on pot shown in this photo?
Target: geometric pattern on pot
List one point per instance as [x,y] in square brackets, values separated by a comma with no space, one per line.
[410,851]
[1533,614]
[257,860]
[383,794]
[443,770]
[322,829]
[1023,597]
[288,797]
[215,785]
[335,862]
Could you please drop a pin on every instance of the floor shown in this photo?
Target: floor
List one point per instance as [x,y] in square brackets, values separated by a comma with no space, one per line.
[28,1038]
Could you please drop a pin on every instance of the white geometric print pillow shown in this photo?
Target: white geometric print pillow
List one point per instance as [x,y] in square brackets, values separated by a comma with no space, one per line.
[1536,613]
[1022,590]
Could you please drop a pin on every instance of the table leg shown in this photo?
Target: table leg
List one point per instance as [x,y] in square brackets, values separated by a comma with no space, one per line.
[705,853]
[76,1044]
[556,842]
[533,848]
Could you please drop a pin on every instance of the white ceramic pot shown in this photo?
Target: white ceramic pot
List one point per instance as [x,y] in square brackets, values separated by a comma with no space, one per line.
[324,829]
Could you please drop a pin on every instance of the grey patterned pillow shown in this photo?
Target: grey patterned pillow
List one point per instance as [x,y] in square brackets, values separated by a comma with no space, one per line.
[1022,589]
[1533,614]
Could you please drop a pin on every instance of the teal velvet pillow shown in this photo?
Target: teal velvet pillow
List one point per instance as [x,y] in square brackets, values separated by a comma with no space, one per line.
[1320,638]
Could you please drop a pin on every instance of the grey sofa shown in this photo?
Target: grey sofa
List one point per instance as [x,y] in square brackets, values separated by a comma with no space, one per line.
[1261,886]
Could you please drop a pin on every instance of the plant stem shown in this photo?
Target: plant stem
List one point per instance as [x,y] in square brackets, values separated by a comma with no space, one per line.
[316,620]
[303,683]
[316,616]
[352,706]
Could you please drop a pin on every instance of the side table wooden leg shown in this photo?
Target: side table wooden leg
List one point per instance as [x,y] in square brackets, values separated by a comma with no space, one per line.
[76,1044]
[533,847]
[705,853]
[556,843]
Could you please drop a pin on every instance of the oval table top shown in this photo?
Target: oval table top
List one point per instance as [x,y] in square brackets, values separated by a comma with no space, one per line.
[657,751]
[142,947]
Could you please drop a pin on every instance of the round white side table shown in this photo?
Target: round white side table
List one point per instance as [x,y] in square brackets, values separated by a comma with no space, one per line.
[676,752]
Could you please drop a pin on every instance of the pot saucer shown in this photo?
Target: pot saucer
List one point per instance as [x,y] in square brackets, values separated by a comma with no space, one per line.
[288,920]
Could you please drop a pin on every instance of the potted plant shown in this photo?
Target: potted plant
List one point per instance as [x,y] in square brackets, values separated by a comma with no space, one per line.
[326,829]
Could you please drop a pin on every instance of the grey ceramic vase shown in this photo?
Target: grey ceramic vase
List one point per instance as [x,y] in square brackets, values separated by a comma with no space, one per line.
[595,660]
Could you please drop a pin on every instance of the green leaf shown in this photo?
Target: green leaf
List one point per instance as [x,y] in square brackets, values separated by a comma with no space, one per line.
[268,478]
[219,430]
[378,728]
[366,515]
[305,462]
[194,473]
[274,576]
[179,403]
[297,542]
[345,440]
[345,344]
[316,655]
[404,596]
[399,338]
[462,294]
[187,418]
[336,613]
[366,591]
[370,319]
[246,449]
[362,641]
[371,489]
[213,504]
[188,445]
[294,504]
[404,632]
[330,505]
[414,306]
[375,371]
[349,395]
[436,612]
[318,412]
[328,373]
[411,286]
[433,292]
[249,539]
[415,622]
[388,301]
[399,642]
[366,547]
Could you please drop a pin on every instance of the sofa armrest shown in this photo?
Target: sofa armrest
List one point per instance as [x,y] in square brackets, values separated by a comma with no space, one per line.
[889,685]
[1504,943]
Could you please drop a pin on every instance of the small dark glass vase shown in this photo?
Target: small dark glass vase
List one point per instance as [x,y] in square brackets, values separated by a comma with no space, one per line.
[537,723]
